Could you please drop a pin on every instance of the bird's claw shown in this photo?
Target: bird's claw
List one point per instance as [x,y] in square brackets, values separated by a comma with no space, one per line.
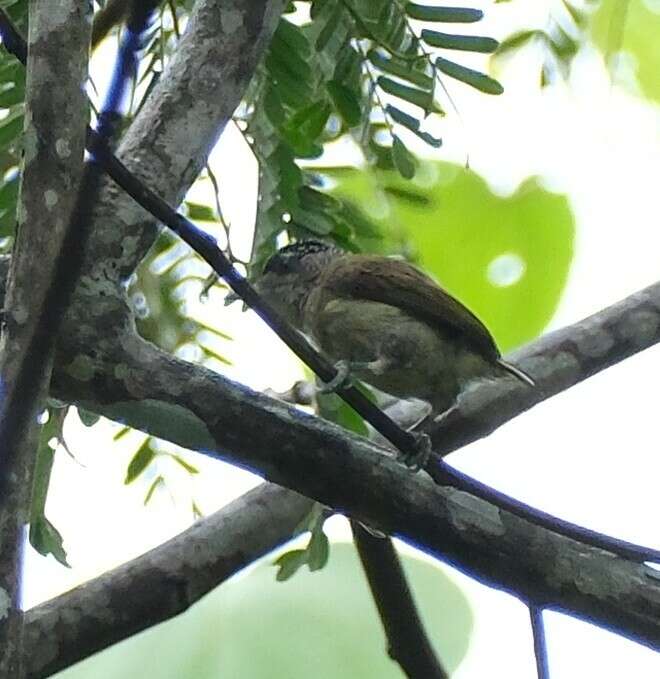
[419,458]
[340,380]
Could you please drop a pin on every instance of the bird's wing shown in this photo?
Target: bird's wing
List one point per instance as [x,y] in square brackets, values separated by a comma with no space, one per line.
[402,285]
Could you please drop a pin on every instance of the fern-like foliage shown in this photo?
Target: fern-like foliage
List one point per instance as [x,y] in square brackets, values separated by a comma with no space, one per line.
[12,98]
[364,69]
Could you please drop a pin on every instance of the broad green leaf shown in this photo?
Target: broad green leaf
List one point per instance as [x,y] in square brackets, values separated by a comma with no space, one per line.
[631,27]
[322,625]
[330,27]
[293,37]
[507,258]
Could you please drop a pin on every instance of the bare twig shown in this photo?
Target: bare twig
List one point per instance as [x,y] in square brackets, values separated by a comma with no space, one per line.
[540,647]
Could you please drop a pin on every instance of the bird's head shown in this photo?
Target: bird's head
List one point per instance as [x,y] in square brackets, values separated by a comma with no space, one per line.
[290,274]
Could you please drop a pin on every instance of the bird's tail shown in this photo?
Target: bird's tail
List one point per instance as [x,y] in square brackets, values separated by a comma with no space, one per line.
[517,373]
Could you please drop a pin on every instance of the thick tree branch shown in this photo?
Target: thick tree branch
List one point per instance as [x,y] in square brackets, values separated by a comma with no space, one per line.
[161,583]
[54,144]
[132,381]
[168,142]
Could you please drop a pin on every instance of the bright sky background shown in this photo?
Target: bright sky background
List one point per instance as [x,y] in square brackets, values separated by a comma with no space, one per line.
[589,455]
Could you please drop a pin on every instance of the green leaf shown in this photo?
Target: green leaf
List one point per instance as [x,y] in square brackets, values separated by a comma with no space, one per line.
[403,160]
[401,69]
[329,28]
[141,460]
[318,550]
[454,15]
[46,539]
[480,81]
[412,124]
[191,469]
[312,199]
[88,418]
[293,37]
[157,482]
[517,40]
[200,213]
[319,223]
[10,130]
[467,235]
[121,433]
[322,625]
[318,6]
[632,28]
[413,95]
[289,562]
[469,43]
[346,101]
[11,94]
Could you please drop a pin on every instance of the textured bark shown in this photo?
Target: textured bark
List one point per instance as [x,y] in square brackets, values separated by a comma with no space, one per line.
[143,386]
[52,167]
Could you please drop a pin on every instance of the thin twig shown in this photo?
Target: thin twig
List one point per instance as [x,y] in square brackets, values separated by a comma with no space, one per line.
[540,647]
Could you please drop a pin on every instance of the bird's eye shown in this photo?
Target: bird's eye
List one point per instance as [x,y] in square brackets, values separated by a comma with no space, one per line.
[278,264]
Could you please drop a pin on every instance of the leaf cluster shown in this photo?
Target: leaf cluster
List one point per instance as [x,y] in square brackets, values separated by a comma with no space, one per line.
[361,70]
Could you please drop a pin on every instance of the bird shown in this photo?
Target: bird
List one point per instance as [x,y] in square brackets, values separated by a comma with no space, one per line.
[383,321]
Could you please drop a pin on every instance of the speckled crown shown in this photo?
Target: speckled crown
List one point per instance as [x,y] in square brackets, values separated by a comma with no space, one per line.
[286,258]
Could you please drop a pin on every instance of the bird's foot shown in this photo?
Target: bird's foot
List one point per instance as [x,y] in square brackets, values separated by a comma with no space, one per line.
[419,457]
[340,380]
[344,377]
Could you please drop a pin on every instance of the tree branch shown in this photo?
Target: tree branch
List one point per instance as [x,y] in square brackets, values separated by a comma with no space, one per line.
[54,143]
[134,382]
[168,142]
[161,583]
